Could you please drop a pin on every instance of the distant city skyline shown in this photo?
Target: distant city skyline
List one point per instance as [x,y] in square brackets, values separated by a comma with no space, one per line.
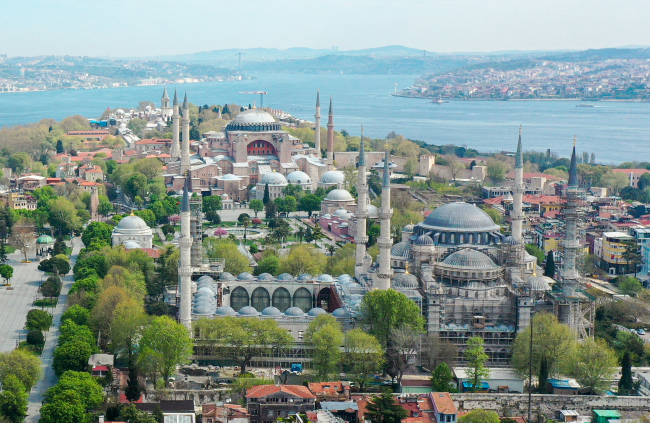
[127,29]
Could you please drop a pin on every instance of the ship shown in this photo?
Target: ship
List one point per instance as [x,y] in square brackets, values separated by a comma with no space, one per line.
[584,105]
[438,100]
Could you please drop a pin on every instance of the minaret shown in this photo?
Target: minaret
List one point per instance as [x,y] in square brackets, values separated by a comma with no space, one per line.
[517,213]
[184,268]
[385,242]
[185,147]
[176,143]
[317,126]
[330,136]
[360,237]
[571,243]
[164,106]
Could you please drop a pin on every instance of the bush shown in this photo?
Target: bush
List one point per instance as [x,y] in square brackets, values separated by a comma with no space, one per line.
[38,320]
[35,337]
[253,249]
[55,265]
[50,288]
[77,314]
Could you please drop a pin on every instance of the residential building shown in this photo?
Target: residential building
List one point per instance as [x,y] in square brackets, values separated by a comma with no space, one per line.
[330,391]
[613,248]
[226,413]
[181,411]
[19,201]
[266,403]
[632,174]
[100,365]
[444,409]
[642,237]
[89,135]
[91,173]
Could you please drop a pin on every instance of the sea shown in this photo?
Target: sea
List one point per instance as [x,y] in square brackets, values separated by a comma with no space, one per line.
[614,131]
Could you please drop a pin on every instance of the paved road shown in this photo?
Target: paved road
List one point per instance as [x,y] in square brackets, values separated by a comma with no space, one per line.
[49,378]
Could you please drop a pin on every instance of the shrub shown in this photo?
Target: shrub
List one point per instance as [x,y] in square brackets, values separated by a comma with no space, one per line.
[35,337]
[38,320]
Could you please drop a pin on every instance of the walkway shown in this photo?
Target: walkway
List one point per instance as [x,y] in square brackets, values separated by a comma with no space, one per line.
[49,379]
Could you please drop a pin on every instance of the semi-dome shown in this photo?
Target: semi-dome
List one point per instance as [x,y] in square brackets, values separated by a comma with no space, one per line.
[341,213]
[305,277]
[424,240]
[316,311]
[225,276]
[229,177]
[339,194]
[373,211]
[265,277]
[130,245]
[253,120]
[471,259]
[274,178]
[540,283]
[401,249]
[131,224]
[285,277]
[245,276]
[225,310]
[459,217]
[405,281]
[271,312]
[294,312]
[340,312]
[248,311]
[298,177]
[325,278]
[332,177]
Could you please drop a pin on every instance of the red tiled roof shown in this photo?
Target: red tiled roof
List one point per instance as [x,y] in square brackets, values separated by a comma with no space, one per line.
[262,391]
[151,252]
[329,388]
[443,403]
[100,368]
[153,141]
[635,172]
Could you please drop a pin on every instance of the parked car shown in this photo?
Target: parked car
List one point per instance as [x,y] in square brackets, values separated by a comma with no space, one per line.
[640,332]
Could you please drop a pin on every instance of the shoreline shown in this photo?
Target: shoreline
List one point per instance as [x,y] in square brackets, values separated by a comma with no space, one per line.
[529,99]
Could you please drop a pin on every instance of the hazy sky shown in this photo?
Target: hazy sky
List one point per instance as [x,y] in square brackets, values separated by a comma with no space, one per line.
[144,27]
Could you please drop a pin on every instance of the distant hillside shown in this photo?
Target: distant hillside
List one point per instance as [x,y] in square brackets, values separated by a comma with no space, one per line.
[600,54]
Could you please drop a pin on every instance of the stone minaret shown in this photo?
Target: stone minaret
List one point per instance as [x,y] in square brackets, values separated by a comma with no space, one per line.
[517,213]
[317,126]
[571,243]
[176,142]
[94,204]
[184,267]
[385,242]
[360,237]
[330,136]
[185,147]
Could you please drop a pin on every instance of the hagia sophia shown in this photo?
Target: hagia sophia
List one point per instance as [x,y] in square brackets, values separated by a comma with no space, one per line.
[467,277]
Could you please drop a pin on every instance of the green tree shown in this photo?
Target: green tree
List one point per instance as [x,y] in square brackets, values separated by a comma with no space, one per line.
[63,215]
[384,409]
[631,255]
[476,359]
[309,203]
[303,259]
[480,416]
[132,415]
[269,264]
[166,343]
[271,210]
[256,205]
[38,320]
[212,203]
[35,338]
[245,221]
[90,391]
[22,364]
[97,232]
[536,252]
[629,285]
[496,170]
[363,357]
[594,364]
[66,407]
[71,356]
[213,217]
[13,399]
[136,185]
[626,384]
[549,268]
[236,262]
[104,208]
[325,337]
[266,198]
[382,311]
[442,378]
[55,265]
[241,339]
[543,376]
[126,330]
[59,147]
[133,389]
[70,331]
[7,272]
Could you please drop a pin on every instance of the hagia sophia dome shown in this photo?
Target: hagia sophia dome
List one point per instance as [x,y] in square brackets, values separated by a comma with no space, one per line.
[254,120]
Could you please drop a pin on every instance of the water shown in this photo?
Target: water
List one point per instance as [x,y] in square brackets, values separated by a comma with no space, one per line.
[614,131]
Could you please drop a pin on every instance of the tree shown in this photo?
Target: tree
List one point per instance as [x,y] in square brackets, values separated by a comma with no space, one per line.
[436,351]
[136,185]
[22,236]
[536,252]
[104,208]
[35,338]
[402,348]
[303,259]
[480,416]
[59,147]
[476,358]
[126,330]
[496,170]
[50,288]
[241,339]
[442,378]
[266,198]
[91,393]
[256,205]
[382,311]
[166,343]
[38,320]
[626,384]
[271,210]
[384,409]
[549,268]
[97,232]
[132,415]
[65,407]
[316,233]
[245,221]
[22,364]
[325,337]
[13,399]
[455,167]
[269,264]
[133,389]
[594,364]
[543,376]
[631,255]
[72,355]
[7,272]
[63,215]
[212,203]
[213,217]
[363,356]
[236,262]
[309,203]
[55,265]
[628,285]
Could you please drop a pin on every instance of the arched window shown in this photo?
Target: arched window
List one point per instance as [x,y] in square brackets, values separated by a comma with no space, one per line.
[475,294]
[281,299]
[239,298]
[302,299]
[260,299]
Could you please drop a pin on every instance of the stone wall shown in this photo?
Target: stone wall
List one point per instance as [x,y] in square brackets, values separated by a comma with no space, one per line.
[547,405]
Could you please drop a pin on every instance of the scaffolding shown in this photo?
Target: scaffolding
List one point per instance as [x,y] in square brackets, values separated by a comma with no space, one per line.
[196,230]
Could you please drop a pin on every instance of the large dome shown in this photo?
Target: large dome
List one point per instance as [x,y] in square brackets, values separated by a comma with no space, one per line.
[339,195]
[274,178]
[253,120]
[470,259]
[298,177]
[332,177]
[132,225]
[459,217]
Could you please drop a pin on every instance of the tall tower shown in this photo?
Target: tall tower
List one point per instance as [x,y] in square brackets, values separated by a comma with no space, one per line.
[185,147]
[360,238]
[164,106]
[330,135]
[571,242]
[184,268]
[517,213]
[317,126]
[176,142]
[94,204]
[385,242]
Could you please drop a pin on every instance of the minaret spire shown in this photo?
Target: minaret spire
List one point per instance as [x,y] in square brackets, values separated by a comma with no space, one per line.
[360,237]
[573,170]
[385,242]
[185,147]
[571,242]
[330,136]
[517,214]
[317,126]
[176,142]
[184,268]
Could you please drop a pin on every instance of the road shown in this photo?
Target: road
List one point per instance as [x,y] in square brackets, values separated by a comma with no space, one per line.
[49,379]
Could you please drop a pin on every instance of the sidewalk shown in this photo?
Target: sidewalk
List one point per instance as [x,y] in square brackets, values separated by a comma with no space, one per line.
[52,337]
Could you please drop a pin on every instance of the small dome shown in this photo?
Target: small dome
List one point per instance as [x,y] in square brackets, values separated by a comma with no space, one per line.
[225,311]
[294,312]
[205,278]
[339,195]
[424,240]
[332,177]
[229,177]
[271,311]
[510,240]
[352,285]
[341,212]
[248,311]
[224,196]
[401,249]
[298,177]
[205,291]
[325,278]
[373,211]
[408,228]
[253,189]
[405,281]
[316,311]
[274,178]
[193,287]
[130,224]
[245,277]
[130,245]
[265,277]
[305,277]
[471,259]
[344,278]
[202,310]
[540,283]
[285,277]
[459,217]
[340,312]
[225,276]
[44,239]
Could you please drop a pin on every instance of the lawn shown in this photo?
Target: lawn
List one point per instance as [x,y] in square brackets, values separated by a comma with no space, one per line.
[156,240]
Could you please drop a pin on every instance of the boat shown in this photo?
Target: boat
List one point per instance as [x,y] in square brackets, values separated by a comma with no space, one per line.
[438,100]
[584,105]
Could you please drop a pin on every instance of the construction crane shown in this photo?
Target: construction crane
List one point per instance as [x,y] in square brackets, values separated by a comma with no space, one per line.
[261,93]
